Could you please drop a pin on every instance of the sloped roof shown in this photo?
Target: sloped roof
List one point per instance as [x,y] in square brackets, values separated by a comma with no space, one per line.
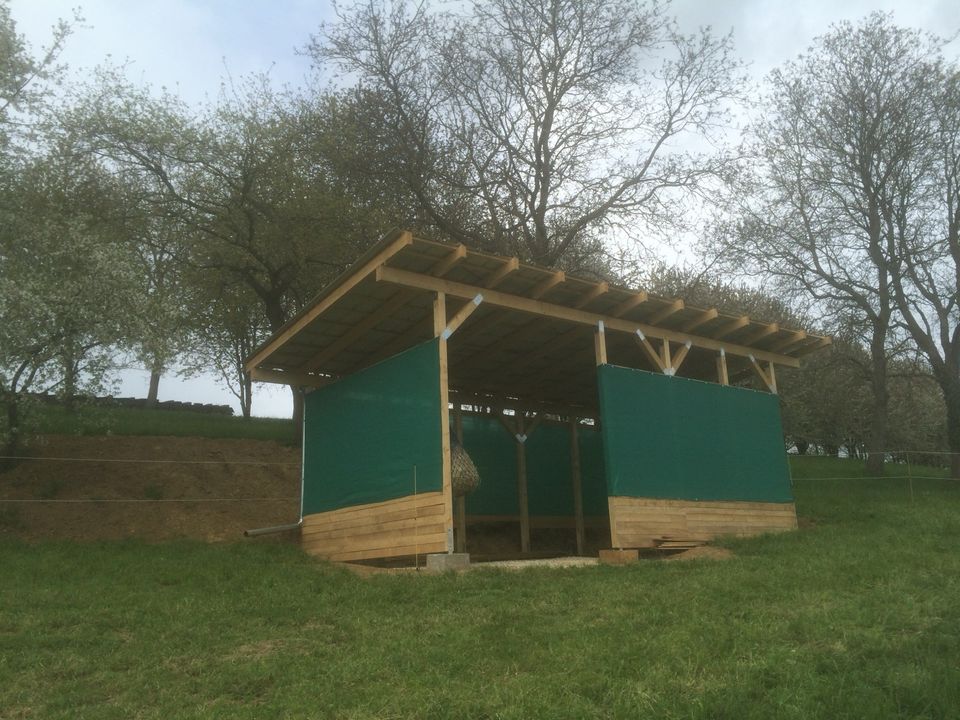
[530,337]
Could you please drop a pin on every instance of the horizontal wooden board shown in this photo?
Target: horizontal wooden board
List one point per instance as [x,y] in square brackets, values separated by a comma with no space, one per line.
[414,524]
[642,522]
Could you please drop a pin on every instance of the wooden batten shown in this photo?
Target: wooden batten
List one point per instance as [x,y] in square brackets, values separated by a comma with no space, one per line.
[445,265]
[645,522]
[635,300]
[671,309]
[410,525]
[548,284]
[596,291]
[498,275]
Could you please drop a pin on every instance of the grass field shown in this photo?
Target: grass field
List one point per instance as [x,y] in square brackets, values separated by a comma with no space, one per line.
[856,616]
[93,420]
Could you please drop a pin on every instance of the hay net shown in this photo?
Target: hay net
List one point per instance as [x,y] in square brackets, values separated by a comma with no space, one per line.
[464,475]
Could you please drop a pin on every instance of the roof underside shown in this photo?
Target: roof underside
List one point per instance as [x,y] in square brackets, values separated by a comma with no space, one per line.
[532,341]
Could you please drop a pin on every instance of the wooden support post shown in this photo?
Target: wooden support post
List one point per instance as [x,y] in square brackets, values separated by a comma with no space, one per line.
[600,344]
[665,358]
[680,357]
[773,378]
[577,483]
[522,486]
[460,536]
[723,377]
[439,323]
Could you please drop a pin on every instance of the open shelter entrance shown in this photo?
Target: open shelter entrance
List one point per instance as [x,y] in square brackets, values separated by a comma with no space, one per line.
[597,416]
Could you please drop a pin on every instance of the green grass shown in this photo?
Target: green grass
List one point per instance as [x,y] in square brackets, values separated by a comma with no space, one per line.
[855,617]
[92,420]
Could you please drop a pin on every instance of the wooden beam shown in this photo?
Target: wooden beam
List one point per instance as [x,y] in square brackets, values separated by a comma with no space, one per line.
[577,482]
[546,285]
[723,377]
[815,345]
[785,344]
[760,333]
[629,304]
[289,378]
[497,276]
[308,315]
[704,317]
[443,267]
[770,382]
[596,291]
[385,311]
[652,355]
[461,317]
[732,326]
[600,344]
[671,309]
[568,314]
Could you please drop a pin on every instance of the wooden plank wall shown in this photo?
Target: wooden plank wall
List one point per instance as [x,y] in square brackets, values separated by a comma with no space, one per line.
[640,522]
[411,525]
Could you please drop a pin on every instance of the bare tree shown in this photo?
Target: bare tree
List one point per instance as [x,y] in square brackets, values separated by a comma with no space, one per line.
[534,126]
[924,222]
[832,154]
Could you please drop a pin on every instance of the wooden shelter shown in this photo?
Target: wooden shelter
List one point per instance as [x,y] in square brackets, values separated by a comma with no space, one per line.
[584,405]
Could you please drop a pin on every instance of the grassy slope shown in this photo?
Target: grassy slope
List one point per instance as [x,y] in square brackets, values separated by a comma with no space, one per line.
[91,420]
[855,617]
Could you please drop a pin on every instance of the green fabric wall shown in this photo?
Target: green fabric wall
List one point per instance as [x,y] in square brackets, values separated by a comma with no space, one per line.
[671,437]
[364,434]
[549,483]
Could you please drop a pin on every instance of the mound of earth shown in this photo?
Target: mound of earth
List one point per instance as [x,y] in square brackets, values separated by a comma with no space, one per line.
[151,488]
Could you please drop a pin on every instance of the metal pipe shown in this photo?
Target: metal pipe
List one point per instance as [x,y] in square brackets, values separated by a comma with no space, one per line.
[272,530]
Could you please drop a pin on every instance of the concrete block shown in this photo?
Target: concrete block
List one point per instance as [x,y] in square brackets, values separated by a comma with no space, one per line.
[619,557]
[443,562]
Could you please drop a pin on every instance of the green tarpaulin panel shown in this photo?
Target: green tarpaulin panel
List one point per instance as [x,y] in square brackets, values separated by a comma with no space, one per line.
[549,482]
[364,434]
[675,438]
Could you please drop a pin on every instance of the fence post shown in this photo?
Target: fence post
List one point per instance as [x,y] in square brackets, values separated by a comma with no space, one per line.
[910,476]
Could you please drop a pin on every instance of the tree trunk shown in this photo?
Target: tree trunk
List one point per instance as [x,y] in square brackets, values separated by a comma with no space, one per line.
[951,395]
[246,395]
[153,393]
[297,415]
[877,438]
[12,445]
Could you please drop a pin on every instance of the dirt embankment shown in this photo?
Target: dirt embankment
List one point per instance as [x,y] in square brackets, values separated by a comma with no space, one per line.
[152,488]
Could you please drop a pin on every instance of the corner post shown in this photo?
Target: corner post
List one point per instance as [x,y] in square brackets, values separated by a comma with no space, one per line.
[460,531]
[600,344]
[439,324]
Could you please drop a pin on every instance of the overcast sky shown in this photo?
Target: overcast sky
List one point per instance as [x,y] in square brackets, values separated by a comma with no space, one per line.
[187,45]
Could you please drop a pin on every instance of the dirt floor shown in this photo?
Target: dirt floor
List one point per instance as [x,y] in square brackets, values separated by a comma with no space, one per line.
[152,488]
